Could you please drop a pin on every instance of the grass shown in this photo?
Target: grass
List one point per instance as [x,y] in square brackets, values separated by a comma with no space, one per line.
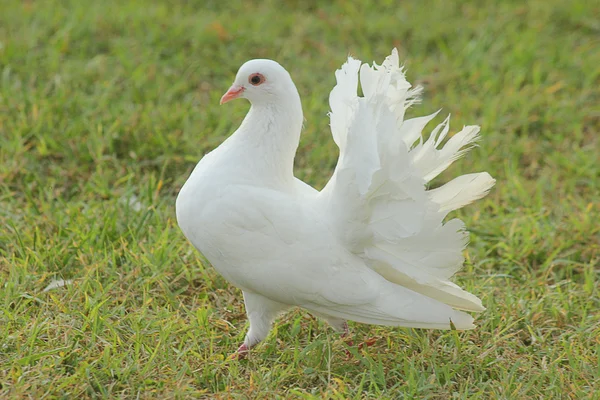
[105,107]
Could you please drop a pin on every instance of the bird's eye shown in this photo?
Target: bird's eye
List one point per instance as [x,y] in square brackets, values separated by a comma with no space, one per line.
[256,79]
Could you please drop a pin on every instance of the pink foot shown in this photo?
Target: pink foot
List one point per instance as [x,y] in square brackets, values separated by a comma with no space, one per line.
[346,330]
[348,341]
[368,342]
[241,353]
[364,344]
[346,334]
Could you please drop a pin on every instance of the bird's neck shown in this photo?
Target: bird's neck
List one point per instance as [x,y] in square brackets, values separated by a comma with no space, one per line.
[268,138]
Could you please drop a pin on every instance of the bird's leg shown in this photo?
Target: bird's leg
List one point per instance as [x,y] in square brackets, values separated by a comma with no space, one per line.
[261,313]
[340,325]
[346,330]
[349,342]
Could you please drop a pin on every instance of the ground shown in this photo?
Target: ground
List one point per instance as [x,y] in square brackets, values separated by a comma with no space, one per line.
[106,106]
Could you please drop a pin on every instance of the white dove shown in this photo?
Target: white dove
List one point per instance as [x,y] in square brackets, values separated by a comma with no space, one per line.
[372,246]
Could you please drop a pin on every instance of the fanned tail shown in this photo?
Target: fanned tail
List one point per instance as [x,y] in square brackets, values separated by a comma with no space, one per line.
[377,197]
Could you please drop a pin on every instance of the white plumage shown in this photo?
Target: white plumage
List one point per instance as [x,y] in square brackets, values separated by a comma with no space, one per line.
[370,247]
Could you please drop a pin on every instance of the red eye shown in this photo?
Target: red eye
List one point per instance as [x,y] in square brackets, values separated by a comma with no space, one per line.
[256,79]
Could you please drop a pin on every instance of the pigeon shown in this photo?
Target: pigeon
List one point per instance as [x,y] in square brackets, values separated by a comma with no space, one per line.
[374,245]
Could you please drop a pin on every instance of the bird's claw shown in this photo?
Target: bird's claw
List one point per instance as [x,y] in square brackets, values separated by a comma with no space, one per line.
[241,353]
[368,342]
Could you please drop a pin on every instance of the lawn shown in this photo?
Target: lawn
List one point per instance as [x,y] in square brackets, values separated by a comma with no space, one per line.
[106,106]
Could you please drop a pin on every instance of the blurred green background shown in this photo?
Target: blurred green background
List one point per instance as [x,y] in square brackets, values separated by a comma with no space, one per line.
[106,106]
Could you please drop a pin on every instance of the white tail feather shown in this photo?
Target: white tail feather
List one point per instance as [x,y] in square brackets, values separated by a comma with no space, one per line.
[410,130]
[403,306]
[430,161]
[342,100]
[377,197]
[461,191]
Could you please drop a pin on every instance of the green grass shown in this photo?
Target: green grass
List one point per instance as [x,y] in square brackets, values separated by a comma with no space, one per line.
[105,107]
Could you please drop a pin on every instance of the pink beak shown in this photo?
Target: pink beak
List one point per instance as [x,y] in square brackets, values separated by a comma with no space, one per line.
[233,93]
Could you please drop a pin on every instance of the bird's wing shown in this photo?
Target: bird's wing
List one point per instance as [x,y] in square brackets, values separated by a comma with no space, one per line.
[277,245]
[377,199]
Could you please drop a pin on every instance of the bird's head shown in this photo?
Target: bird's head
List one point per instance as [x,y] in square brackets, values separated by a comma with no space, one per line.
[260,81]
